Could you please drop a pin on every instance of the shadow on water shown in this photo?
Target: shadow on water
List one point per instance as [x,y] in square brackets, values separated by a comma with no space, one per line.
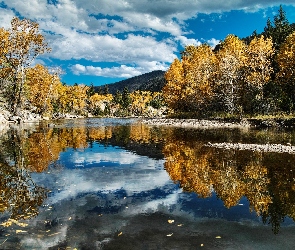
[111,182]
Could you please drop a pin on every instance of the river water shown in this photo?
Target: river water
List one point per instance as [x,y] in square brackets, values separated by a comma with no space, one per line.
[121,184]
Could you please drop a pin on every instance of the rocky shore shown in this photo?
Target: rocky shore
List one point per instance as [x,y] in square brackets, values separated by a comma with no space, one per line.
[274,148]
[195,123]
[223,123]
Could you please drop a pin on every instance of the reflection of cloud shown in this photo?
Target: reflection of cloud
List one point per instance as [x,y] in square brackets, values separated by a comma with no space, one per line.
[121,157]
[134,173]
[46,242]
[154,205]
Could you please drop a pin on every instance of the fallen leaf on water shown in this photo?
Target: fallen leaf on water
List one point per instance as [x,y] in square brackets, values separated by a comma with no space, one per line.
[20,231]
[202,245]
[6,224]
[180,225]
[21,224]
[119,234]
[70,218]
[169,235]
[170,221]
[9,222]
[54,234]
[218,237]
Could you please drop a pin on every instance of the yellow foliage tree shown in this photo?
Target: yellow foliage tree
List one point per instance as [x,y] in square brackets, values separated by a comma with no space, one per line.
[98,104]
[231,61]
[258,65]
[286,60]
[172,91]
[199,65]
[77,95]
[140,101]
[24,44]
[41,86]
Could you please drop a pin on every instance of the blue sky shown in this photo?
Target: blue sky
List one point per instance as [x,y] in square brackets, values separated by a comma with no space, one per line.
[104,41]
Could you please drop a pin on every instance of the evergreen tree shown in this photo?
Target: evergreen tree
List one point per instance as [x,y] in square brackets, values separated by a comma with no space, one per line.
[126,100]
[91,90]
[279,29]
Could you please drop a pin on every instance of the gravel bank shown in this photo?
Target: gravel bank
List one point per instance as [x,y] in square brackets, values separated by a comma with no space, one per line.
[275,148]
[195,123]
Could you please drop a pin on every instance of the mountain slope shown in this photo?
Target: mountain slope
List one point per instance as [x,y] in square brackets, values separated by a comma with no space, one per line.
[153,81]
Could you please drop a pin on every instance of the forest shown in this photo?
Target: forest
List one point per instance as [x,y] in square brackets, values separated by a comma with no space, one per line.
[242,77]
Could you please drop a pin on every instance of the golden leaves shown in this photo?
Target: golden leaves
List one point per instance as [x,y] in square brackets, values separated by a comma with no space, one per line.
[286,59]
[41,87]
[204,75]
[259,57]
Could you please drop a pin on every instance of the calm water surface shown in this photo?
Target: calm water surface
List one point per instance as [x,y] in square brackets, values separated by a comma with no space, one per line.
[120,184]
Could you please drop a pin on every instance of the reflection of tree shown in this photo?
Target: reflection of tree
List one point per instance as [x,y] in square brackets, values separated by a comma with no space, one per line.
[184,165]
[19,194]
[265,179]
[281,189]
[269,186]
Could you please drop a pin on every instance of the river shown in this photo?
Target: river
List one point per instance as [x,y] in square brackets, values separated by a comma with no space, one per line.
[122,184]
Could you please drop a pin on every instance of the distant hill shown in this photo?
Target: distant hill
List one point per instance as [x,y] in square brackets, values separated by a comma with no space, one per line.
[153,81]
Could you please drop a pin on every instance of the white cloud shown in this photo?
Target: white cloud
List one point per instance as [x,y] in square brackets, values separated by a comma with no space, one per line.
[99,48]
[128,32]
[5,17]
[184,41]
[213,42]
[122,71]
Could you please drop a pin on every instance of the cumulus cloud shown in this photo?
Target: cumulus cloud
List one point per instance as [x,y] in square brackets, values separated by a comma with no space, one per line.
[184,41]
[99,48]
[213,42]
[122,71]
[123,31]
[5,17]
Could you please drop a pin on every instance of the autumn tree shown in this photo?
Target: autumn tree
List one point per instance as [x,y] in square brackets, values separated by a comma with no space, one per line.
[286,63]
[24,44]
[100,104]
[77,95]
[41,85]
[231,60]
[199,67]
[140,101]
[258,70]
[172,91]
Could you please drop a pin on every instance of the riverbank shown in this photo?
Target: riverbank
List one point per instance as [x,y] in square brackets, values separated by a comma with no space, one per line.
[272,148]
[196,123]
[223,123]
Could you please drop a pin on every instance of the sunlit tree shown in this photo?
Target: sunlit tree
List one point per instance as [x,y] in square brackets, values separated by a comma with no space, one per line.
[286,64]
[24,44]
[41,86]
[172,91]
[231,61]
[199,66]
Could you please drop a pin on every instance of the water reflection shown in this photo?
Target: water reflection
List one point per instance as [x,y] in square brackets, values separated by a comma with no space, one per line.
[20,196]
[70,174]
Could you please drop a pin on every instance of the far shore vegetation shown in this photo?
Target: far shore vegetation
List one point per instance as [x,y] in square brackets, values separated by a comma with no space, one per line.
[252,77]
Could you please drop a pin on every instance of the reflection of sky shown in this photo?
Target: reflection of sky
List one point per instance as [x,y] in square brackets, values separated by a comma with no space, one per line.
[107,169]
[111,180]
[102,156]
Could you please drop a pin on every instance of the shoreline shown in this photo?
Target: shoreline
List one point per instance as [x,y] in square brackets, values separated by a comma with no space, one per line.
[244,123]
[196,123]
[267,148]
